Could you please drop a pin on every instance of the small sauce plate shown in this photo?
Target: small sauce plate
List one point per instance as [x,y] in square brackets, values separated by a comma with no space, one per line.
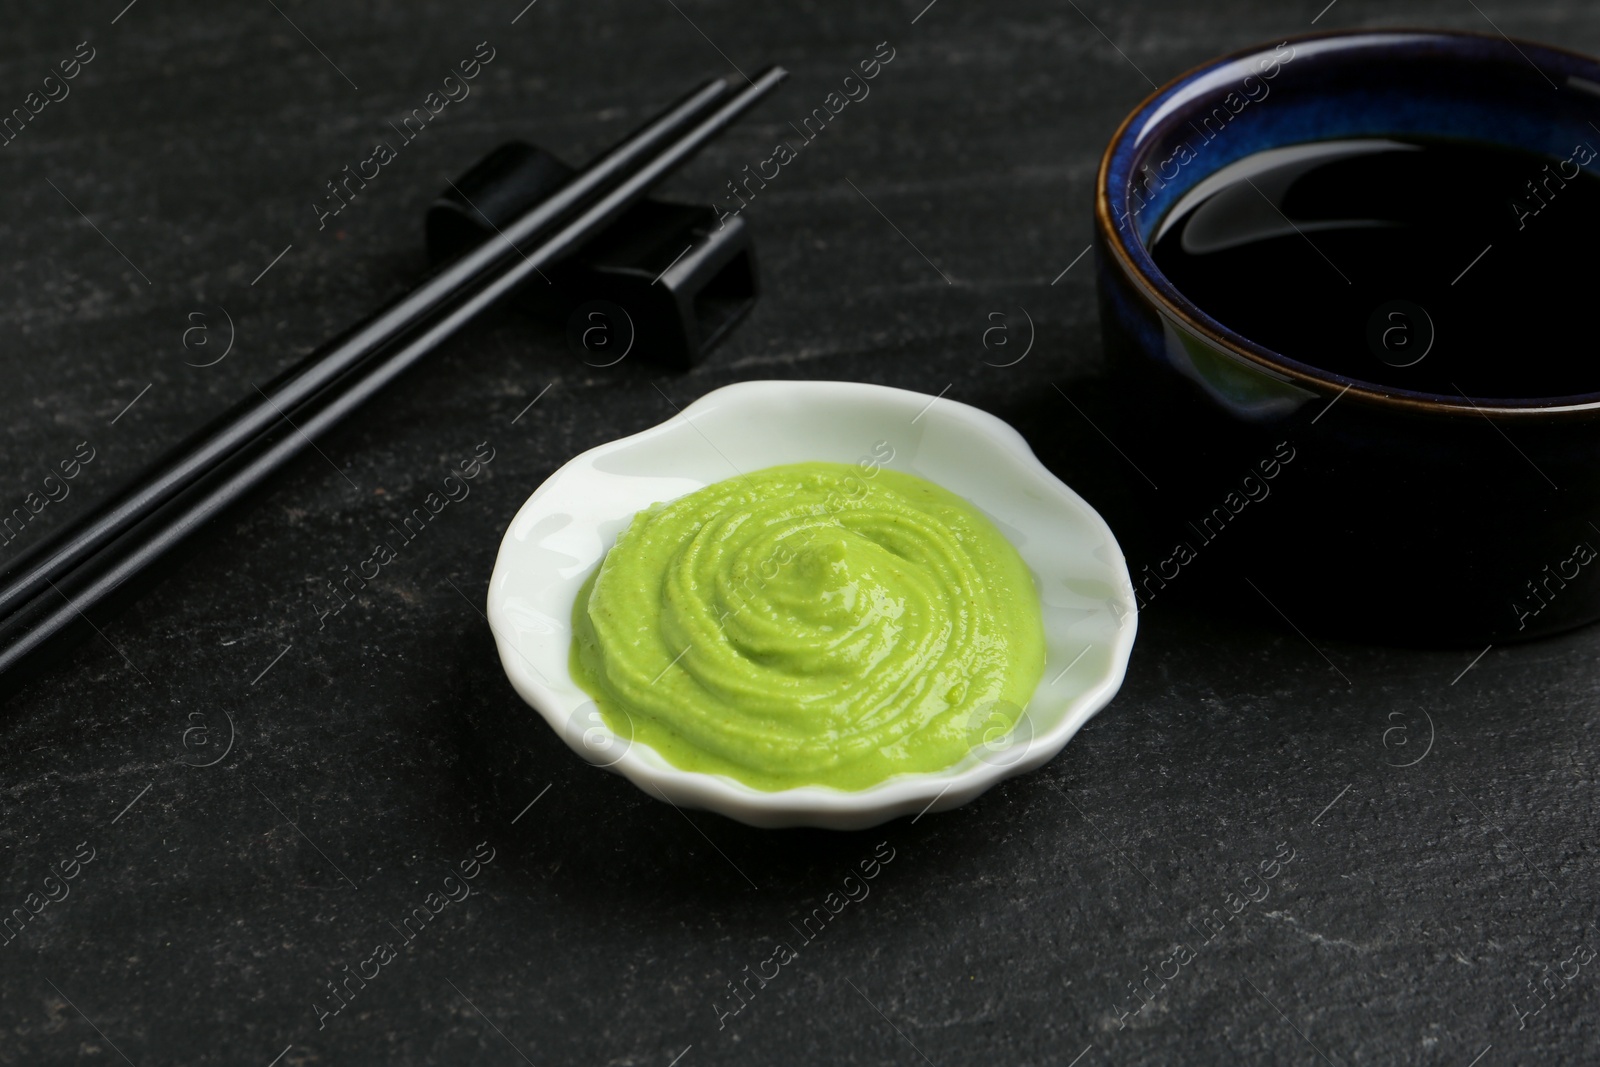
[564,530]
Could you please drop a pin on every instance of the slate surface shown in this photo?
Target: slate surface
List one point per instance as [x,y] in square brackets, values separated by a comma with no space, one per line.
[1422,902]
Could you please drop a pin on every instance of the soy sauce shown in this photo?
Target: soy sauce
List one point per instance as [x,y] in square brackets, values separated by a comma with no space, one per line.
[1440,266]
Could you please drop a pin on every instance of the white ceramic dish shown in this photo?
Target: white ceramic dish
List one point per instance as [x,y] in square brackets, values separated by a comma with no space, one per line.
[568,524]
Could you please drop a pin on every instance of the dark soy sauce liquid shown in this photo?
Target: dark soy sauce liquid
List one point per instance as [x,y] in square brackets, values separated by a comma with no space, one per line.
[1355,256]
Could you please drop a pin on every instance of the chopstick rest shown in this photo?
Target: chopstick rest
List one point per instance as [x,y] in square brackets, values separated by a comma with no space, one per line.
[681,279]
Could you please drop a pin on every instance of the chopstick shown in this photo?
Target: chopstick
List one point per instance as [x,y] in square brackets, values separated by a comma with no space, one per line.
[50,561]
[28,631]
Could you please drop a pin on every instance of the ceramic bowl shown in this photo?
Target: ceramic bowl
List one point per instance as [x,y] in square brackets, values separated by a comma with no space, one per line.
[1401,516]
[564,530]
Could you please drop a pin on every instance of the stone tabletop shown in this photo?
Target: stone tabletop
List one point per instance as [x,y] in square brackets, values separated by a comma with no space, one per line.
[222,816]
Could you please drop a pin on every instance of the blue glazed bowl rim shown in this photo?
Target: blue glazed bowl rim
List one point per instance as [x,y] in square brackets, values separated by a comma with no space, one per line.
[1136,263]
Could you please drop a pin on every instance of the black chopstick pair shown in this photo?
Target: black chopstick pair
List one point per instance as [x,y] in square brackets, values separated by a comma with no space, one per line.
[48,591]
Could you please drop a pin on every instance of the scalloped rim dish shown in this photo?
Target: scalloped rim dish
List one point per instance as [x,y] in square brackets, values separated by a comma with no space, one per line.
[565,528]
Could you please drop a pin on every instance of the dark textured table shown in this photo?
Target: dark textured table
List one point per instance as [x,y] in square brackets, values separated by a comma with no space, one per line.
[1262,851]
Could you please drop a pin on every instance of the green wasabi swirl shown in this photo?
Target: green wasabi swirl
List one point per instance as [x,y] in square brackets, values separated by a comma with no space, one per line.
[810,624]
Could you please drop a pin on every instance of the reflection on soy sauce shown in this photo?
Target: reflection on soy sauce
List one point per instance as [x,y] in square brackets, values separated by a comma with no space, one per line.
[1421,264]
